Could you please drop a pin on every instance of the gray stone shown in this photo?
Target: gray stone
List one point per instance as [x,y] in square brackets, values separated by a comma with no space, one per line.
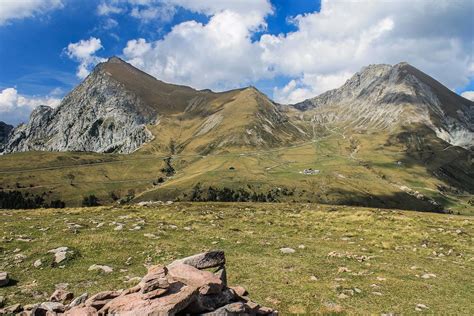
[53,307]
[4,279]
[205,260]
[78,300]
[103,268]
[287,250]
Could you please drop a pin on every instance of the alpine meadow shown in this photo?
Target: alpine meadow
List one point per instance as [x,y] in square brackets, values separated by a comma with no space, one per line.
[250,157]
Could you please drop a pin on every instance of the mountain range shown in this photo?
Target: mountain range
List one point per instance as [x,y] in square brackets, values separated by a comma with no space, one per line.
[382,113]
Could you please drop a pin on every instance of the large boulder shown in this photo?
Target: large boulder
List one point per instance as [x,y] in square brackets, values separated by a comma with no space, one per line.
[179,288]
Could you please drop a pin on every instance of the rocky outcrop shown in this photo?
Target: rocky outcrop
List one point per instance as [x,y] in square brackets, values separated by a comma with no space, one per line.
[183,287]
[100,115]
[385,97]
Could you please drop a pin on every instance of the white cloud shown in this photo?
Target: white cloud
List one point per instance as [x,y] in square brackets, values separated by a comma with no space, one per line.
[19,9]
[347,35]
[219,54]
[164,13]
[309,86]
[108,9]
[211,7]
[468,95]
[326,48]
[84,52]
[15,108]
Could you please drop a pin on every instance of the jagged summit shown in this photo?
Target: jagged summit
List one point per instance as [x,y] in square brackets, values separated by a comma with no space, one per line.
[115,60]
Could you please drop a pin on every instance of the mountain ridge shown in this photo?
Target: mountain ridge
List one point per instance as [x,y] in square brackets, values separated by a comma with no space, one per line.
[115,107]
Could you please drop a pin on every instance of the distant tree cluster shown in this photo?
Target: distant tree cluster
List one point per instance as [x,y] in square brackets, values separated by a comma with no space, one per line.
[16,200]
[213,194]
[89,201]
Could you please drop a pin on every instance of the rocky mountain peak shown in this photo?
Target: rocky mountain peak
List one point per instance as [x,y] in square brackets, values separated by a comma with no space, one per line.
[385,96]
[115,60]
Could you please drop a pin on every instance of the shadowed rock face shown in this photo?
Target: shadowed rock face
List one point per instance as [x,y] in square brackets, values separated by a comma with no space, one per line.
[385,97]
[5,130]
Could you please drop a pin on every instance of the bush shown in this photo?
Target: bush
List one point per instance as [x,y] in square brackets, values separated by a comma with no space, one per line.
[57,204]
[90,200]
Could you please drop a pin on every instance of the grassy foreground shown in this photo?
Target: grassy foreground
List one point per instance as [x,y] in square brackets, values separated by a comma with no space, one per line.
[348,260]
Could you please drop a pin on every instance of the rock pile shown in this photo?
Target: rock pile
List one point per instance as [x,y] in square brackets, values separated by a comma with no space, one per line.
[183,287]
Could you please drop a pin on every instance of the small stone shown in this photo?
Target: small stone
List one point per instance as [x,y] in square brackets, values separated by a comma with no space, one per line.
[59,249]
[79,300]
[13,309]
[61,296]
[428,276]
[60,257]
[287,250]
[421,307]
[357,290]
[103,268]
[239,290]
[377,293]
[301,246]
[342,296]
[53,307]
[118,227]
[30,307]
[205,260]
[343,269]
[313,278]
[37,263]
[381,279]
[4,279]
[152,236]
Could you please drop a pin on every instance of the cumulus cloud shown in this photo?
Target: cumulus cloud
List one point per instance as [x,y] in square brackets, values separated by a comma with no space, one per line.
[105,8]
[15,108]
[468,95]
[20,9]
[219,54]
[347,35]
[324,50]
[309,86]
[84,52]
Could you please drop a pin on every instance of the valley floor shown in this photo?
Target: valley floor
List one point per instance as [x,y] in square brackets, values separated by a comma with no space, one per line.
[346,259]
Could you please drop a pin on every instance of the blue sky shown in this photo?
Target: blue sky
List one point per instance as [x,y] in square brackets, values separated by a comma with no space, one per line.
[289,49]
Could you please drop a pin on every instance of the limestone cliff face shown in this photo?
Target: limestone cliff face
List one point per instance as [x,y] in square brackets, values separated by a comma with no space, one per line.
[100,115]
[385,97]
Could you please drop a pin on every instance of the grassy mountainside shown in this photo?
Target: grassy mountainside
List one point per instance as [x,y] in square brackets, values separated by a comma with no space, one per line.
[405,171]
[348,260]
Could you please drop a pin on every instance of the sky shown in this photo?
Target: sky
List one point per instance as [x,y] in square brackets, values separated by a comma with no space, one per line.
[289,49]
